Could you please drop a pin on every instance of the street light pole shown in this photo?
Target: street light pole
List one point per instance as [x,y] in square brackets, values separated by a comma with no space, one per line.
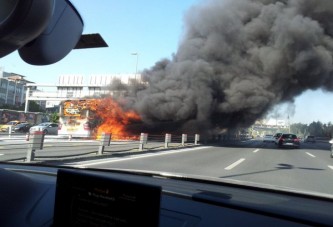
[136,66]
[26,106]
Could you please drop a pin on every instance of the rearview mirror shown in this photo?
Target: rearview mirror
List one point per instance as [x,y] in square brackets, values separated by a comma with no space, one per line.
[21,21]
[43,31]
[58,39]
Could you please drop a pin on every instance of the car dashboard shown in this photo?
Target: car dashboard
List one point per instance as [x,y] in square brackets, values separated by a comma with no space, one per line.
[29,196]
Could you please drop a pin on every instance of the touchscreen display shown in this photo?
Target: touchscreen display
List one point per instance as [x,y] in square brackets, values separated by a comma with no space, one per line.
[91,200]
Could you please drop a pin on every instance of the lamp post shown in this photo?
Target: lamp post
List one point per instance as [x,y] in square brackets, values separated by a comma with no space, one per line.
[136,66]
[27,94]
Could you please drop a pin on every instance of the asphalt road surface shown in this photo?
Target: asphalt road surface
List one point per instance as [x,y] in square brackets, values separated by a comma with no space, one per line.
[309,168]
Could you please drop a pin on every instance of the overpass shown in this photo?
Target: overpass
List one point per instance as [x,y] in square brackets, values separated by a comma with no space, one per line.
[63,92]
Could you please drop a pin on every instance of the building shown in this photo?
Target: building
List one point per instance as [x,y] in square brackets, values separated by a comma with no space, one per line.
[12,89]
[73,86]
[78,87]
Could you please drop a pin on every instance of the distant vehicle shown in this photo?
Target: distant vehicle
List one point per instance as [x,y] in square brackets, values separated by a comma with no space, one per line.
[46,127]
[268,139]
[289,140]
[22,127]
[310,139]
[277,137]
[5,128]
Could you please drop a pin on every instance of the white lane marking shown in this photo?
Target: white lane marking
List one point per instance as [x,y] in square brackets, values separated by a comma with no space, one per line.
[256,150]
[89,163]
[2,154]
[310,154]
[234,164]
[331,167]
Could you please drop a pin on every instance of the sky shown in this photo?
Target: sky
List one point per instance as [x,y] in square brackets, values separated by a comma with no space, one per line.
[153,29]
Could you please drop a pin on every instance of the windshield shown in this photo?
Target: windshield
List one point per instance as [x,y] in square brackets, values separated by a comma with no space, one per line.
[189,87]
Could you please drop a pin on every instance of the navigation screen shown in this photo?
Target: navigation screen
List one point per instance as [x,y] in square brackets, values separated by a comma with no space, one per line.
[90,200]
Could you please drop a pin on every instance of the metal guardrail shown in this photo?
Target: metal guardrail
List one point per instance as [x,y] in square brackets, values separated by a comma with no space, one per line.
[40,147]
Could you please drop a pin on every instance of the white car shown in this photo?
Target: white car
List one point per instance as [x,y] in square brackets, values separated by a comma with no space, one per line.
[268,139]
[277,137]
[46,127]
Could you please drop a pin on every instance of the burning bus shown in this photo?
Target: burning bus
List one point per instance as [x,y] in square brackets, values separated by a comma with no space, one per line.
[77,118]
[91,117]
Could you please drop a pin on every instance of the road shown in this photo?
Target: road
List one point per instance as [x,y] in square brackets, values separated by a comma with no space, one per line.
[308,168]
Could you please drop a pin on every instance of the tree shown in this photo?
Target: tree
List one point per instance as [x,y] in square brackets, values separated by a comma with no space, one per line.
[54,117]
[316,129]
[298,129]
[35,107]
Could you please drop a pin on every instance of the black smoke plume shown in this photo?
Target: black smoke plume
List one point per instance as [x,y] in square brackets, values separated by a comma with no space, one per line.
[238,59]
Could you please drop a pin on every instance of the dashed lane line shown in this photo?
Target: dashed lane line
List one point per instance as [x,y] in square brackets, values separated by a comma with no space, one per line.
[310,154]
[235,164]
[331,167]
[256,150]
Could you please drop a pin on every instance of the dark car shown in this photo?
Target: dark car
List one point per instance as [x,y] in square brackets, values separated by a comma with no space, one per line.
[288,140]
[23,127]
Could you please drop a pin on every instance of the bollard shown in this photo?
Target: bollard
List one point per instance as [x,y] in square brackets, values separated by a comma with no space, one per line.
[105,141]
[70,137]
[143,140]
[27,136]
[184,139]
[9,131]
[167,140]
[196,139]
[30,154]
[37,142]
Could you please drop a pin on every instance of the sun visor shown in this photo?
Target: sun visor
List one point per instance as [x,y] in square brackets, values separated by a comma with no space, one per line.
[21,21]
[58,39]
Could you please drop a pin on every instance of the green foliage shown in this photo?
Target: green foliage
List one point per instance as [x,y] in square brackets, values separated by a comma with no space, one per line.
[12,107]
[315,128]
[34,107]
[54,117]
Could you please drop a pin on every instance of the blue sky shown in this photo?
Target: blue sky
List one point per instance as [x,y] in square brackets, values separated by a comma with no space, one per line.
[152,28]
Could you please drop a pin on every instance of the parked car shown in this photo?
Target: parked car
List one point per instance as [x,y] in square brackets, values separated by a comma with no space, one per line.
[268,139]
[310,139]
[288,140]
[46,127]
[22,127]
[5,128]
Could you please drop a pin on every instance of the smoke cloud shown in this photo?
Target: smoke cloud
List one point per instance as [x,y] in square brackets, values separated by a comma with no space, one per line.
[238,59]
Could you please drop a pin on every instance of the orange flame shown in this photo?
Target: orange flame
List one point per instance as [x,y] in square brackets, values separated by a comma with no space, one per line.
[114,118]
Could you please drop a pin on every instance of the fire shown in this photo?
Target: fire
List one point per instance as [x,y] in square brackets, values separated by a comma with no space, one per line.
[114,118]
